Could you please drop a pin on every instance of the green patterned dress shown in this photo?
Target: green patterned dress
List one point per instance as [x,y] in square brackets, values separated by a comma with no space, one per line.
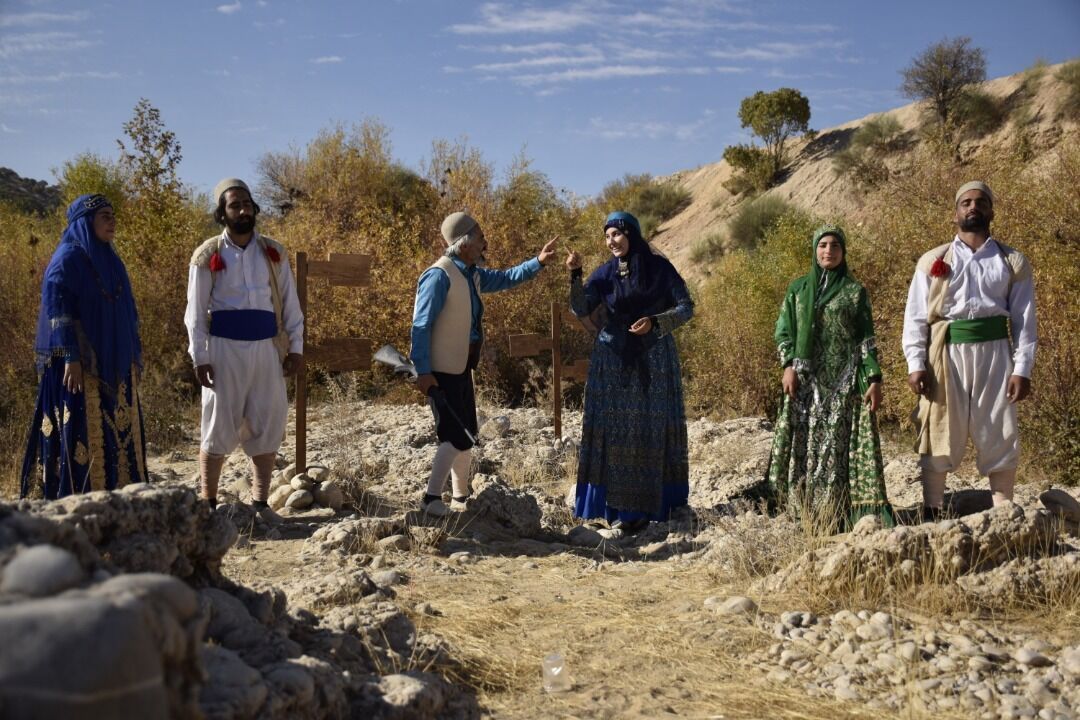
[826,466]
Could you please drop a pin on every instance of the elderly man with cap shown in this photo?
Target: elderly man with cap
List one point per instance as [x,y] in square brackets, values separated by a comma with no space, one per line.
[247,333]
[964,297]
[447,333]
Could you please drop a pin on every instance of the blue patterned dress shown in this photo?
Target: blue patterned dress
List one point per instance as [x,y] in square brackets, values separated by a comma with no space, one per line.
[633,459]
[89,440]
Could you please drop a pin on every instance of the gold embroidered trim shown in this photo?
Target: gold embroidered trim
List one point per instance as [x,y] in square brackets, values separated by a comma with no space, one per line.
[46,425]
[82,455]
[94,435]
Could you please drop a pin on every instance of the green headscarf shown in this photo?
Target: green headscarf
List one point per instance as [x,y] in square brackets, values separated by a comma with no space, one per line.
[816,288]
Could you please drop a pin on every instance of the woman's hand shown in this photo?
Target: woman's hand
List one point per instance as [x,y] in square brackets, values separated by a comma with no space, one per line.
[573,260]
[790,383]
[872,396]
[642,326]
[73,377]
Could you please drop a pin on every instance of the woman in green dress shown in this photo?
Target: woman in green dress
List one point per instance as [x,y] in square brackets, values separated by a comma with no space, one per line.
[826,467]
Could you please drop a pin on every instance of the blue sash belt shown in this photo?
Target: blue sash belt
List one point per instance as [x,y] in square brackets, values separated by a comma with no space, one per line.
[243,324]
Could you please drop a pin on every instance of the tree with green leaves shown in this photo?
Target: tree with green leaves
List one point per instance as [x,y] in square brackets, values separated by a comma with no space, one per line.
[941,73]
[774,117]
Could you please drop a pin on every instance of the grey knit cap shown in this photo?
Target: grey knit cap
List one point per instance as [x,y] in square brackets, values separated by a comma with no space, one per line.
[455,225]
[229,184]
[975,185]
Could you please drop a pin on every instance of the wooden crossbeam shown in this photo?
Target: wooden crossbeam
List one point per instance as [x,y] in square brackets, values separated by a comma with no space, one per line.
[342,269]
[528,344]
[341,354]
[577,370]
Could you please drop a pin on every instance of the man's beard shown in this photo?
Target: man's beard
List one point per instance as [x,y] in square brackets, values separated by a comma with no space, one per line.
[975,223]
[240,227]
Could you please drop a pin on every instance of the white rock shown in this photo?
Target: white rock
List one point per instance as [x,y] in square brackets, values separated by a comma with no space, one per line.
[1069,661]
[873,631]
[279,495]
[318,473]
[329,494]
[301,482]
[394,542]
[1031,658]
[299,499]
[41,570]
[386,578]
[496,427]
[737,605]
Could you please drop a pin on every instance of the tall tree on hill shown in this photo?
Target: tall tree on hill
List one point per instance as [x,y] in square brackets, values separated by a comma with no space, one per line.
[774,117]
[941,73]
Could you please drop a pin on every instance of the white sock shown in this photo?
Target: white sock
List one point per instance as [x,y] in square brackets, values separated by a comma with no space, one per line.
[440,467]
[459,473]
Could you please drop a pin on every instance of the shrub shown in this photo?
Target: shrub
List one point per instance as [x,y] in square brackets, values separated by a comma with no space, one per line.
[1069,75]
[864,158]
[651,201]
[708,248]
[979,113]
[754,218]
[753,170]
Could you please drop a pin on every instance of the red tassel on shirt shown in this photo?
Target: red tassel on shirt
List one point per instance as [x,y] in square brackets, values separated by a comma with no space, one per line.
[940,268]
[216,263]
[273,254]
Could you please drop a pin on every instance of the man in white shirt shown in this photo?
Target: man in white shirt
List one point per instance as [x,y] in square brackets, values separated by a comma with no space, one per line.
[963,298]
[246,334]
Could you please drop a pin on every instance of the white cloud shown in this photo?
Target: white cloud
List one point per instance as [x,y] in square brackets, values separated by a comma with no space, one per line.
[43,42]
[616,129]
[774,51]
[549,61]
[497,18]
[40,18]
[57,77]
[230,8]
[606,72]
[327,60]
[9,130]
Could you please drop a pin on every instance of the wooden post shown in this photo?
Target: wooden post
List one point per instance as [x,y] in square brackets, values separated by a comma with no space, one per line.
[531,344]
[334,354]
[556,368]
[301,374]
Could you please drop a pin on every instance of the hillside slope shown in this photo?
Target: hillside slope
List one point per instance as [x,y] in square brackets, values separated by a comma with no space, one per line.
[811,183]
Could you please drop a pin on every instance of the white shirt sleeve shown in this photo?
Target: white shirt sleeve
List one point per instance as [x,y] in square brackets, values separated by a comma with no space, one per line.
[1022,315]
[291,316]
[196,316]
[916,328]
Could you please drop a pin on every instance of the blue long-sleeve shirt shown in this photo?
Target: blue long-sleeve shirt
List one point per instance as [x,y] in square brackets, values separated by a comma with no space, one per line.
[431,293]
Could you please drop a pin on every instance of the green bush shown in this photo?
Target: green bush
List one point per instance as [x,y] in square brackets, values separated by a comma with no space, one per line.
[1069,74]
[754,218]
[708,248]
[979,113]
[752,167]
[863,160]
[651,201]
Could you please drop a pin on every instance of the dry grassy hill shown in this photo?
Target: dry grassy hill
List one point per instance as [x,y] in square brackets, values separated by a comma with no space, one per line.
[1030,99]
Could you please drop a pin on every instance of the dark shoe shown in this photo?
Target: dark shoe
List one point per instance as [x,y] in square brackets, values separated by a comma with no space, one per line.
[629,527]
[931,514]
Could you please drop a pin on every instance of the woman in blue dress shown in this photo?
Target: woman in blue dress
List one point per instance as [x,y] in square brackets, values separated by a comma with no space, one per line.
[87,431]
[633,465]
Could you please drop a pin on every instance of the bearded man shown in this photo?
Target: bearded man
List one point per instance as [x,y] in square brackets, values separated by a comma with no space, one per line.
[246,335]
[962,300]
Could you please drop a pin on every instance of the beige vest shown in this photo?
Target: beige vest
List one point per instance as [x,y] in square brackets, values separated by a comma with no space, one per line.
[450,336]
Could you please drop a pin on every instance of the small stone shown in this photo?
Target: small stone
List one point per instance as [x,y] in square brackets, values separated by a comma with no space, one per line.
[279,495]
[299,499]
[393,542]
[318,473]
[873,631]
[386,578]
[463,557]
[496,427]
[1031,658]
[906,651]
[978,663]
[737,605]
[301,482]
[1069,661]
[846,693]
[329,494]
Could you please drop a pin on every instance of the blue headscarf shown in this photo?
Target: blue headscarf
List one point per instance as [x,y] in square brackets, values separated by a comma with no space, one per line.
[86,287]
[635,286]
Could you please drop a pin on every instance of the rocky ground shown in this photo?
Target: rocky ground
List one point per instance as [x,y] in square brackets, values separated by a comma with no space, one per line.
[357,605]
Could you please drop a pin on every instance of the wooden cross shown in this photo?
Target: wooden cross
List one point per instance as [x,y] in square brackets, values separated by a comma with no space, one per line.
[336,354]
[531,344]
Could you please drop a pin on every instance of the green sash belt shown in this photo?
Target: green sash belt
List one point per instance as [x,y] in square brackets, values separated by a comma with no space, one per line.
[978,330]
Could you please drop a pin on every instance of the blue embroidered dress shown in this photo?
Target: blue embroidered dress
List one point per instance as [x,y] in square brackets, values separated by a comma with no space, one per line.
[89,440]
[633,462]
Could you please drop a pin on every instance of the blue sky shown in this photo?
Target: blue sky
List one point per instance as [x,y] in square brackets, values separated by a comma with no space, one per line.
[588,90]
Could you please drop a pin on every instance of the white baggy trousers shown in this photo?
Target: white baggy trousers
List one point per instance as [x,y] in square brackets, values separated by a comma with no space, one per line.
[979,408]
[248,405]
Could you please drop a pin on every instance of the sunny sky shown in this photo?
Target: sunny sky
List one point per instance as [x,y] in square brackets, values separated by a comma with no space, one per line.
[588,90]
